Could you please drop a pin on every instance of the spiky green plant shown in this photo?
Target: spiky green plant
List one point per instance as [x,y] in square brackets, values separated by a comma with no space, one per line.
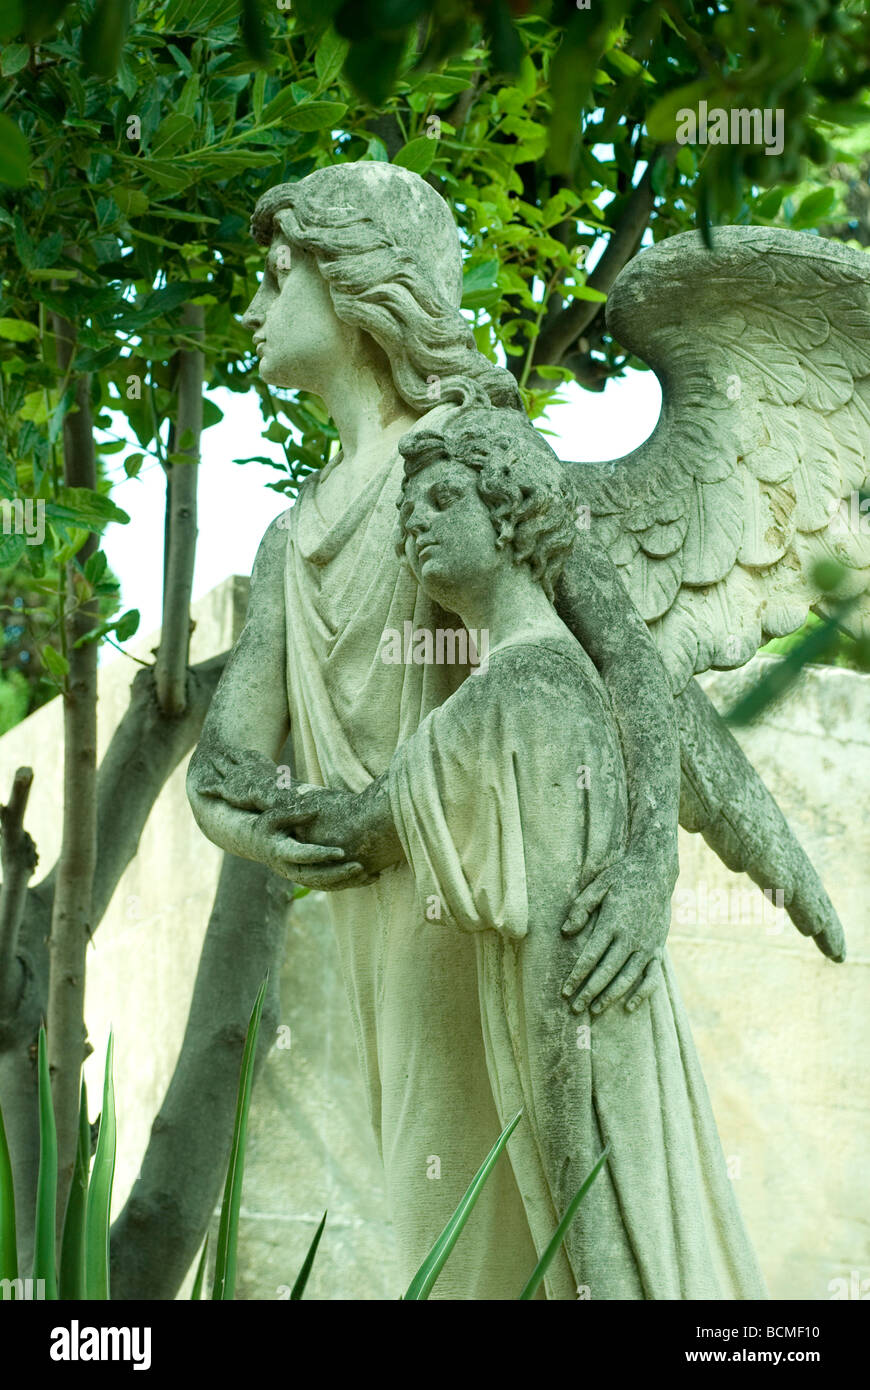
[99,1203]
[72,1281]
[44,1260]
[228,1231]
[85,1248]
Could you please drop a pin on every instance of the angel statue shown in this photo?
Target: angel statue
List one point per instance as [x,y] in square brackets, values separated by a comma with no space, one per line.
[701,542]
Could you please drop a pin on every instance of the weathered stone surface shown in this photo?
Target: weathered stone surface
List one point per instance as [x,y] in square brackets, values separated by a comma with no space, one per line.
[447,806]
[781,1032]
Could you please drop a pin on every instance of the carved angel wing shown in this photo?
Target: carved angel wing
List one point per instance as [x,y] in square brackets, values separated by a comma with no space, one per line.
[754,471]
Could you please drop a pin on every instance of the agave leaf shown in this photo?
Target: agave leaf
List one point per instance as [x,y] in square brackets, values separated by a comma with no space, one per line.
[196,1291]
[302,1277]
[228,1231]
[100,1192]
[434,1262]
[44,1261]
[73,1281]
[546,1259]
[8,1242]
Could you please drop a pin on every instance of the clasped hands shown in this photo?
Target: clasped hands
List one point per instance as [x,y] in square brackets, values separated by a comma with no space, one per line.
[286,816]
[319,837]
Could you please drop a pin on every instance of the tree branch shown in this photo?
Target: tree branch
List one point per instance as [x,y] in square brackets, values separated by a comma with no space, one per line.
[558,337]
[145,749]
[181,483]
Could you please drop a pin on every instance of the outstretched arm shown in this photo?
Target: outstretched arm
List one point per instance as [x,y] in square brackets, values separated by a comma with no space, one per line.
[725,800]
[621,947]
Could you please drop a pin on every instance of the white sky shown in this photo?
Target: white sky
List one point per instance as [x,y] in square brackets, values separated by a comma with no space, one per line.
[235,506]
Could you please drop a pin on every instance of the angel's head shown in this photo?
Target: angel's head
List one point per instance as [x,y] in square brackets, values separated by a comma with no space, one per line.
[482,491]
[367,251]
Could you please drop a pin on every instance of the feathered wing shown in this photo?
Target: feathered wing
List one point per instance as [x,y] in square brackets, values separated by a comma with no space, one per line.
[753,473]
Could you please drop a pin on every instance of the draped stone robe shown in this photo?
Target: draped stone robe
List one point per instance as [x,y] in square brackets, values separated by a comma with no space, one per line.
[453,961]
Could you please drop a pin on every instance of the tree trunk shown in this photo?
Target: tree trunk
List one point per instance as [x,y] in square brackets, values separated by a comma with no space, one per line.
[152,746]
[157,1235]
[71,921]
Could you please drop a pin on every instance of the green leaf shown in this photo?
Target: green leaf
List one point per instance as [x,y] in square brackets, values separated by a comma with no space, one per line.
[623,62]
[186,104]
[662,118]
[95,567]
[57,665]
[14,154]
[770,203]
[11,549]
[14,58]
[228,1231]
[8,1243]
[687,162]
[329,57]
[417,155]
[315,115]
[659,175]
[442,84]
[44,1266]
[18,330]
[73,1280]
[259,89]
[85,507]
[302,1278]
[434,1262]
[815,208]
[132,464]
[307,115]
[537,1275]
[172,132]
[127,625]
[586,292]
[196,1291]
[100,1192]
[480,288]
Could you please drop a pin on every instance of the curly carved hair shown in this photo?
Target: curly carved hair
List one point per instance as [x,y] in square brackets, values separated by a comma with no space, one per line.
[365,224]
[531,498]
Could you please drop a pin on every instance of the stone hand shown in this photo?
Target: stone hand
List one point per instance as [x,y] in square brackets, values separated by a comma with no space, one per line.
[248,781]
[313,865]
[621,920]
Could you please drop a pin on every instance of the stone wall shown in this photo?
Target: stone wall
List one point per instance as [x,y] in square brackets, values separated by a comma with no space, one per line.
[782,1033]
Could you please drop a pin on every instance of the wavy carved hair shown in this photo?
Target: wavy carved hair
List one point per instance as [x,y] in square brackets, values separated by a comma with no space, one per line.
[531,498]
[378,284]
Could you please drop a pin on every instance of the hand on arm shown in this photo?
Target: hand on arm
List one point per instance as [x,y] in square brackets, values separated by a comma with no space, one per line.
[249,711]
[621,946]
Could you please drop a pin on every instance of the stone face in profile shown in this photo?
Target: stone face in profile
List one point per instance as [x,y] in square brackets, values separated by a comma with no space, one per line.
[475,824]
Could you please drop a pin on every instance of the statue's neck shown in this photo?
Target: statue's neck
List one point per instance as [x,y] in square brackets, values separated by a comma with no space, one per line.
[368,411]
[512,607]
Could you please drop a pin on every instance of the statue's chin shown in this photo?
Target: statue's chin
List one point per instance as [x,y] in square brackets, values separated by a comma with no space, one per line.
[275,377]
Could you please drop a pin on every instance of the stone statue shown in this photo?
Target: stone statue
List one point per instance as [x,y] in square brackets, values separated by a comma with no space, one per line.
[505,828]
